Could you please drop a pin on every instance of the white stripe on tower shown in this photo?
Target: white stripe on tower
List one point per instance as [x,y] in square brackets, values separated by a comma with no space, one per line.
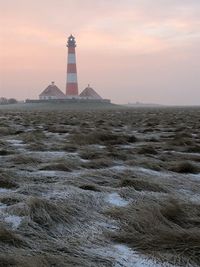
[71,58]
[72,84]
[71,78]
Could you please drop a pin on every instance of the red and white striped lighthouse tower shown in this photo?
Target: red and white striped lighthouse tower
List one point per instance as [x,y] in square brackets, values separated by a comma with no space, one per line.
[72,83]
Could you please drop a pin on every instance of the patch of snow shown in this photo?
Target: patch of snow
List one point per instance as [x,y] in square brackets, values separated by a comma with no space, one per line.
[2,206]
[195,176]
[126,257]
[52,154]
[119,168]
[123,256]
[97,146]
[84,160]
[13,220]
[19,144]
[152,172]
[116,200]
[5,190]
[14,141]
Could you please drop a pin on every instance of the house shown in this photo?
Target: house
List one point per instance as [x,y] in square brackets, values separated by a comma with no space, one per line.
[89,93]
[51,92]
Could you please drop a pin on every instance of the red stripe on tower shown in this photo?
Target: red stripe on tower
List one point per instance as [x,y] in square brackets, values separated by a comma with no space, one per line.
[72,83]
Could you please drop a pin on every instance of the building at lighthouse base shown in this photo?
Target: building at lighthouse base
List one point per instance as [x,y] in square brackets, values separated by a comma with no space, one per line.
[90,93]
[53,94]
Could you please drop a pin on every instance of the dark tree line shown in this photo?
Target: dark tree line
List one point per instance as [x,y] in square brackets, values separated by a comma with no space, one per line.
[5,101]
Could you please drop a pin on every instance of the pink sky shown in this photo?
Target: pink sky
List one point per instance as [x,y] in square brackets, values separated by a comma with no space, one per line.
[128,50]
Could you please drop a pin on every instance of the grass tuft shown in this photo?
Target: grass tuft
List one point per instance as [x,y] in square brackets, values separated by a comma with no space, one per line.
[142,185]
[7,182]
[166,230]
[10,238]
[184,167]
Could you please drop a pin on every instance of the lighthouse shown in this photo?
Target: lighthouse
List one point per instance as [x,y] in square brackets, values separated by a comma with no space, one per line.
[72,83]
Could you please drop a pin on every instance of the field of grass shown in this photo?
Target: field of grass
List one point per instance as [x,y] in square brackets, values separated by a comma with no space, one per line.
[106,186]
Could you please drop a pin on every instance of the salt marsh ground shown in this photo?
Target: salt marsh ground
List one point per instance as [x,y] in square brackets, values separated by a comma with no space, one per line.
[100,187]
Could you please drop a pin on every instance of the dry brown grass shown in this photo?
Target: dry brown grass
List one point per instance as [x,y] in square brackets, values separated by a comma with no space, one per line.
[184,167]
[57,167]
[147,150]
[98,163]
[69,147]
[10,238]
[23,159]
[10,200]
[66,165]
[102,138]
[167,229]
[91,153]
[48,214]
[7,182]
[143,185]
[4,131]
[33,137]
[6,261]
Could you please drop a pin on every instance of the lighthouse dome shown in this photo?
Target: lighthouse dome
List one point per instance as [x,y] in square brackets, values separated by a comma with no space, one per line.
[71,41]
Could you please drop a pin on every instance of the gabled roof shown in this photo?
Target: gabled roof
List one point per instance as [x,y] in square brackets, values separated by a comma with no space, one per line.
[89,92]
[52,90]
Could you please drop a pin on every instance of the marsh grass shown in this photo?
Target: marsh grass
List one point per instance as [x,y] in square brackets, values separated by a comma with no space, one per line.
[62,213]
[102,138]
[57,167]
[7,182]
[69,147]
[28,160]
[98,163]
[6,261]
[147,150]
[166,229]
[91,153]
[10,200]
[184,167]
[48,214]
[10,238]
[67,165]
[142,185]
[4,131]
[33,137]
[37,146]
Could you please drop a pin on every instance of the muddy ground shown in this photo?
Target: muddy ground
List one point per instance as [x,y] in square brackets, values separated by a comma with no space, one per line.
[111,187]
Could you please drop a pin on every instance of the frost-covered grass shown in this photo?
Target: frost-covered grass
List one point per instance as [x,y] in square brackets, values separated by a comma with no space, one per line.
[93,187]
